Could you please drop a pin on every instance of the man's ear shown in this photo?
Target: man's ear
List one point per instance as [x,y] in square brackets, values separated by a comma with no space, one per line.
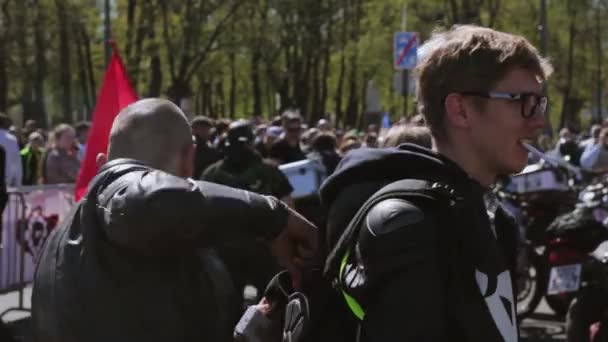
[455,110]
[186,164]
[101,160]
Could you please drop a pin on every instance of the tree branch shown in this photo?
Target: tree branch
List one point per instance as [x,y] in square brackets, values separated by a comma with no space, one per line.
[198,60]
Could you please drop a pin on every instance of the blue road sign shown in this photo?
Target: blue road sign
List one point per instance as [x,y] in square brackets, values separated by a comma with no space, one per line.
[405,46]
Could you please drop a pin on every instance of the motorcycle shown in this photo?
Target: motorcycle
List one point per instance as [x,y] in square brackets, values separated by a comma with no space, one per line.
[571,237]
[587,318]
[535,197]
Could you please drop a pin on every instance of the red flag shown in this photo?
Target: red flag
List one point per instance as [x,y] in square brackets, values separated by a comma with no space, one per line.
[116,93]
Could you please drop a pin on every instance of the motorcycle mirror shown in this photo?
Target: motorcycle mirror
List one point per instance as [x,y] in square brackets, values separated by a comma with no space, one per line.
[554,161]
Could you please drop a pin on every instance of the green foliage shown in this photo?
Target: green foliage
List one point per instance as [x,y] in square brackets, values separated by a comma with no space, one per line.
[232,58]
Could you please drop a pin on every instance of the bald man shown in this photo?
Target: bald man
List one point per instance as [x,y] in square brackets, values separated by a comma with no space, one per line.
[125,264]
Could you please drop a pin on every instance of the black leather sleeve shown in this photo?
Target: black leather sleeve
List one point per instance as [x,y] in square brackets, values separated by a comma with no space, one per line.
[405,300]
[150,210]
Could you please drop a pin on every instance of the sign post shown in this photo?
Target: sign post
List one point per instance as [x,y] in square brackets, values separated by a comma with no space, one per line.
[405,50]
[405,57]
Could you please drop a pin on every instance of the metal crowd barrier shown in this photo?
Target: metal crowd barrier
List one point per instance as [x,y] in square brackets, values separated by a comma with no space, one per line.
[23,230]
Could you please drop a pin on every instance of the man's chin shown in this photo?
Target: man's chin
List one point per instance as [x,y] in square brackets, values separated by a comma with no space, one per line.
[513,168]
[517,169]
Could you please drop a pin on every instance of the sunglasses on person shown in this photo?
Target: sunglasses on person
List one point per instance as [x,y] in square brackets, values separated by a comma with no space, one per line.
[531,104]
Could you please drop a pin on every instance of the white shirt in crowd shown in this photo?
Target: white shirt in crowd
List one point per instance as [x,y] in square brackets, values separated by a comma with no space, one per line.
[13,168]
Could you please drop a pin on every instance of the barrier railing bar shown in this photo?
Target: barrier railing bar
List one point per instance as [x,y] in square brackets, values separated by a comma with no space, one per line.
[20,221]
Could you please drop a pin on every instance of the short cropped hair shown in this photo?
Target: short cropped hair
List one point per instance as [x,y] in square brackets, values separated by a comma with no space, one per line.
[401,134]
[202,121]
[290,116]
[153,131]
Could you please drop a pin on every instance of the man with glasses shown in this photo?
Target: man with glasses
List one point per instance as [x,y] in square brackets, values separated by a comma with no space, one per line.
[287,149]
[437,263]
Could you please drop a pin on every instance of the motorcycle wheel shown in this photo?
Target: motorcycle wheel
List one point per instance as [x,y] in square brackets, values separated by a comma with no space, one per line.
[560,303]
[529,285]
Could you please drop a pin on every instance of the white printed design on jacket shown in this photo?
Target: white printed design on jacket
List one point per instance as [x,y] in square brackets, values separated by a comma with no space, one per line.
[500,303]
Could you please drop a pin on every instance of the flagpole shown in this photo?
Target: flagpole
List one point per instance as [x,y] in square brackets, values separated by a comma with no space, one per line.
[107,32]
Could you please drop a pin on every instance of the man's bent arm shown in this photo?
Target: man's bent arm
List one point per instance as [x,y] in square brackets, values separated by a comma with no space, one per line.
[151,210]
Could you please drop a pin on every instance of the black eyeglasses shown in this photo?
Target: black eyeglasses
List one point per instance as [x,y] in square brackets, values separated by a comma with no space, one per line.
[531,103]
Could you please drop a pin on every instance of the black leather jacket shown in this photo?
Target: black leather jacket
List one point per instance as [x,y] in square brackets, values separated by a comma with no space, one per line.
[126,264]
[429,273]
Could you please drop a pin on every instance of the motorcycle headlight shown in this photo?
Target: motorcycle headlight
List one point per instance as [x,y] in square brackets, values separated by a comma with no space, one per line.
[587,196]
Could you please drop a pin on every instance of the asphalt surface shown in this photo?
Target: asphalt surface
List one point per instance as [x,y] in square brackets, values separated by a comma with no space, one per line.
[542,326]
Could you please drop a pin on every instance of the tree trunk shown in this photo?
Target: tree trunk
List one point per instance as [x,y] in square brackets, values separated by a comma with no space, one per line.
[256,58]
[316,110]
[207,108]
[339,89]
[179,90]
[362,109]
[64,56]
[26,74]
[326,61]
[82,73]
[197,99]
[471,12]
[600,58]
[203,94]
[353,97]
[455,12]
[494,10]
[3,80]
[131,7]
[156,77]
[5,27]
[232,58]
[301,88]
[219,90]
[144,28]
[565,115]
[290,80]
[89,60]
[210,98]
[269,100]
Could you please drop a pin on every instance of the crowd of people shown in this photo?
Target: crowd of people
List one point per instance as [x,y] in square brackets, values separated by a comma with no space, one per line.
[39,156]
[409,239]
[589,150]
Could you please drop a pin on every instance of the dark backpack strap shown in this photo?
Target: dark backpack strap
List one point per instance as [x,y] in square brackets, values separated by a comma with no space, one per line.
[405,189]
[409,189]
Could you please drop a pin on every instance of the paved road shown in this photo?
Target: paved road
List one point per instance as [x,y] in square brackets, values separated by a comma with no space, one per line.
[17,319]
[543,326]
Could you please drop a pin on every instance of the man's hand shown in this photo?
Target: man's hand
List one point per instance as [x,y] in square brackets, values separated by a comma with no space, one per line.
[296,246]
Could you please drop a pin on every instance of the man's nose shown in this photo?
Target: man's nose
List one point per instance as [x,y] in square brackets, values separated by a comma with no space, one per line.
[538,121]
